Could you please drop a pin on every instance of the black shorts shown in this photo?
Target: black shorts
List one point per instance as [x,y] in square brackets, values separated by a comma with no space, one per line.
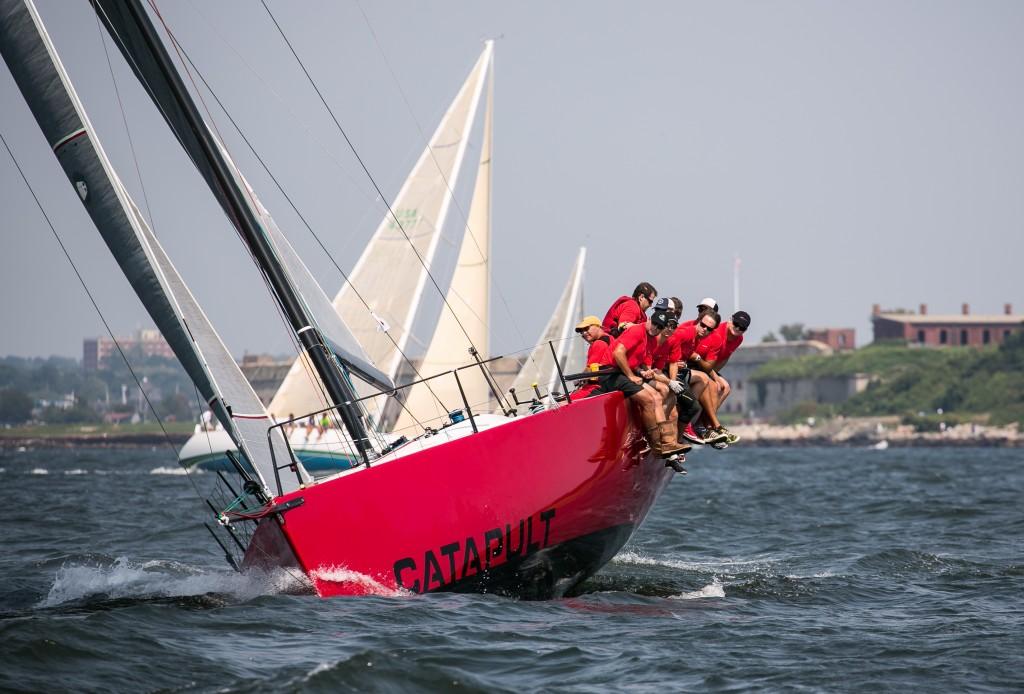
[619,381]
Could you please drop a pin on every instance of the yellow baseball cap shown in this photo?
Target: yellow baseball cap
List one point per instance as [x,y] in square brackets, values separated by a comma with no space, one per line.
[587,322]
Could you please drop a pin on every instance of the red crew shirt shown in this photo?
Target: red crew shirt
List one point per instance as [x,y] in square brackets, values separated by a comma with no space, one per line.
[687,334]
[626,309]
[599,354]
[667,351]
[717,346]
[634,339]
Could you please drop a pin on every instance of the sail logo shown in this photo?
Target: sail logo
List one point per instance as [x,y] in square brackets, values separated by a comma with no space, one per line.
[403,219]
[82,188]
[459,560]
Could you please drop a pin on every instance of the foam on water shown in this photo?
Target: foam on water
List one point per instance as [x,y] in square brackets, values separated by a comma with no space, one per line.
[638,559]
[39,471]
[167,470]
[124,578]
[76,471]
[370,585]
[711,590]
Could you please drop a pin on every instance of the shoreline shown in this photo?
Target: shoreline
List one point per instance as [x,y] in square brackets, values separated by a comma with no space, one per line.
[878,432]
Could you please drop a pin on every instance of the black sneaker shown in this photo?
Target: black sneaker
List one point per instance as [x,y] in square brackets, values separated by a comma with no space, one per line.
[720,445]
[676,463]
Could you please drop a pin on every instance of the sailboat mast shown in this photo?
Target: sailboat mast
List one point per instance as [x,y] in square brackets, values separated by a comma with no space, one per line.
[338,389]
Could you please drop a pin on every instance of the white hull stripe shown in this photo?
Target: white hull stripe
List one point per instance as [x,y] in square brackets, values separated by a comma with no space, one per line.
[235,415]
[68,138]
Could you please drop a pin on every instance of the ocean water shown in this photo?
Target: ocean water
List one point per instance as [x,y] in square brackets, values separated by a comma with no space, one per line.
[763,569]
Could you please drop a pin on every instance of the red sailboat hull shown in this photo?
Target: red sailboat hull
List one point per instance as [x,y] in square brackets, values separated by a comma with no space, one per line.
[531,509]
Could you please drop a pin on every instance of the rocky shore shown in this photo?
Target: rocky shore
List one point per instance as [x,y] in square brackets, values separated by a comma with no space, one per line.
[878,432]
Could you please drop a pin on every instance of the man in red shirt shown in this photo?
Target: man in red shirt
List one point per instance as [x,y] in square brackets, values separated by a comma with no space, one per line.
[629,354]
[690,336]
[713,354]
[629,310]
[599,355]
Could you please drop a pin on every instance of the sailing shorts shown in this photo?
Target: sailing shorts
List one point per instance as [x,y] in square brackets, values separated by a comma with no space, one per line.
[619,381]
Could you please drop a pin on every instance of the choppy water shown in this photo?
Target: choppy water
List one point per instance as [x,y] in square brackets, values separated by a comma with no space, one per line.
[764,569]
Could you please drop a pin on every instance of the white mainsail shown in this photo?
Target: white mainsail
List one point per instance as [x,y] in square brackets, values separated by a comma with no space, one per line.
[540,367]
[391,274]
[40,74]
[465,318]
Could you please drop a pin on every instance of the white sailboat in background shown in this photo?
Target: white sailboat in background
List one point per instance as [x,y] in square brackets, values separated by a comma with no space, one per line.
[465,320]
[541,367]
[391,269]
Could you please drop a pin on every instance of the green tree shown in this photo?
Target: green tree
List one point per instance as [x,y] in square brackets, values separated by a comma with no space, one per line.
[15,406]
[770,337]
[792,332]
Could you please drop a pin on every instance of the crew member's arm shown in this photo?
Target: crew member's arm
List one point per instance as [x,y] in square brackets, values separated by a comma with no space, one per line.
[619,355]
[701,364]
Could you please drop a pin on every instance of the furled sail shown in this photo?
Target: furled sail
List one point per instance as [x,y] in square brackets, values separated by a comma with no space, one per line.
[41,76]
[540,367]
[464,320]
[390,274]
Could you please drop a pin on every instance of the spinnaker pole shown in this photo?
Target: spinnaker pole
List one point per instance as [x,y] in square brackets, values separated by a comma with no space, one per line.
[129,20]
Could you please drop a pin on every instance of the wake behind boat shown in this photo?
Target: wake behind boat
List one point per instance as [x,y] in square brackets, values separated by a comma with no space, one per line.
[527,505]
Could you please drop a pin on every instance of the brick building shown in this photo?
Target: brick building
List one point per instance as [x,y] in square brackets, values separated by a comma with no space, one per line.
[839,339]
[935,330]
[97,352]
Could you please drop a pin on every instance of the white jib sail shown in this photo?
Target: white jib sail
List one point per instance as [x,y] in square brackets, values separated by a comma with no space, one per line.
[465,319]
[540,366]
[390,275]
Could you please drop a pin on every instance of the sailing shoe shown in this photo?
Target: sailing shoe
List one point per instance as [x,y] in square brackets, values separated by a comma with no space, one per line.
[676,463]
[732,438]
[714,436]
[692,436]
[720,445]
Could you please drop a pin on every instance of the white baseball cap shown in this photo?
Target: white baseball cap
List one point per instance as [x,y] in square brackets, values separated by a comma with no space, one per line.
[709,302]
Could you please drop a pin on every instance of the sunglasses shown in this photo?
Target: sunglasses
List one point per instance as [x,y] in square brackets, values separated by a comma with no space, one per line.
[705,326]
[742,330]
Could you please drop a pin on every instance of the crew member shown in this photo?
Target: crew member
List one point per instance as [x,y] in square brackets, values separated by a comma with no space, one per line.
[629,310]
[599,355]
[629,353]
[713,354]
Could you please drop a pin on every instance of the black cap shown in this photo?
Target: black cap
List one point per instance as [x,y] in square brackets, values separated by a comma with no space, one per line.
[660,319]
[741,319]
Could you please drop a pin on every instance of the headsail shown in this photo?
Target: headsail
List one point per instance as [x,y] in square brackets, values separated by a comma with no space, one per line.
[41,76]
[540,366]
[464,320]
[390,274]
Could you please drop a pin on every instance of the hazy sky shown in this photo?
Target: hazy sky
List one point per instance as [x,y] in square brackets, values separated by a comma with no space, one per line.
[849,153]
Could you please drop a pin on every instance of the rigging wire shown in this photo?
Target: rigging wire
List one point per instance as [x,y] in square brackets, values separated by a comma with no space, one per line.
[182,57]
[366,170]
[92,299]
[423,135]
[295,208]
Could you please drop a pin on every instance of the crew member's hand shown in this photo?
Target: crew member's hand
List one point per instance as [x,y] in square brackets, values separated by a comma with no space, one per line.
[636,379]
[623,326]
[676,387]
